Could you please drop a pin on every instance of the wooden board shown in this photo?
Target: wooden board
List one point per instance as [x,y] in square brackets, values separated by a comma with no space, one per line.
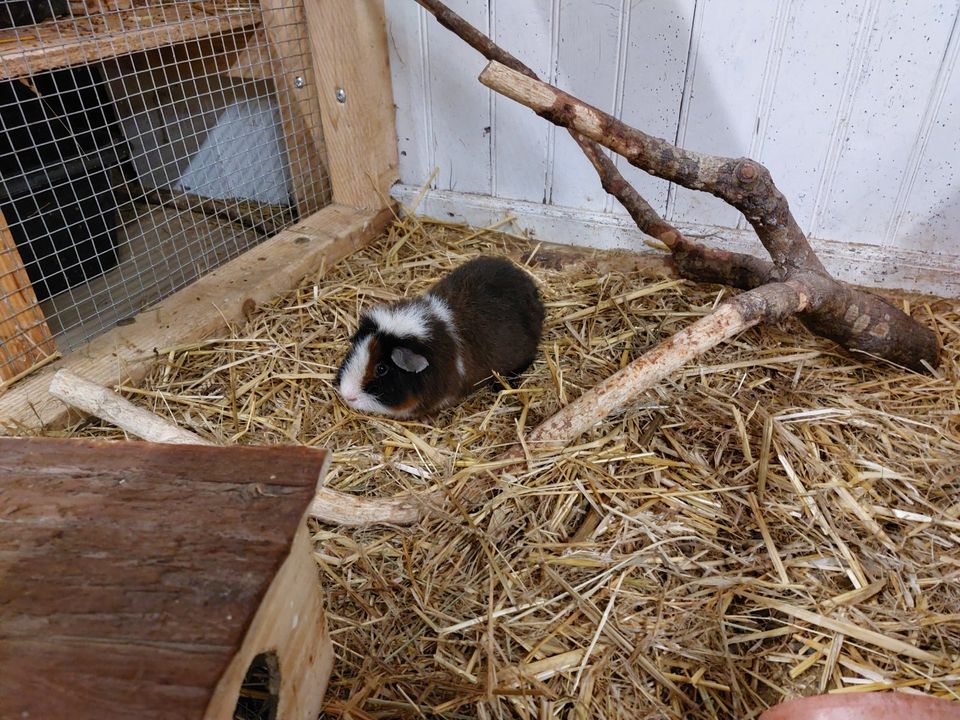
[126,353]
[25,338]
[160,250]
[348,41]
[90,38]
[133,571]
[289,49]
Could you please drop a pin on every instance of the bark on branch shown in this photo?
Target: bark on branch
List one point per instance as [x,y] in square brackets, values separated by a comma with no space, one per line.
[852,318]
[693,260]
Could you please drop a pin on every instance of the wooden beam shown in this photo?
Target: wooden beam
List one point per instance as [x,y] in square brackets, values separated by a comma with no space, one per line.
[126,353]
[140,580]
[289,49]
[348,39]
[91,38]
[25,338]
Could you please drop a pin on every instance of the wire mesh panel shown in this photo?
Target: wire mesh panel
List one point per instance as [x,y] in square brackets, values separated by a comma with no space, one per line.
[142,144]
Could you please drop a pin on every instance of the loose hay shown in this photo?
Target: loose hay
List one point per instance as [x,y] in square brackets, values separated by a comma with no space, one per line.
[779,520]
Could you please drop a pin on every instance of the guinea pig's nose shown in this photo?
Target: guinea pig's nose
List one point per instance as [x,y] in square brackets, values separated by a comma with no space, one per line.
[349,397]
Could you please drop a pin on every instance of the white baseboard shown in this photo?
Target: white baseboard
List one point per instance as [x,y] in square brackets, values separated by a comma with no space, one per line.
[868,265]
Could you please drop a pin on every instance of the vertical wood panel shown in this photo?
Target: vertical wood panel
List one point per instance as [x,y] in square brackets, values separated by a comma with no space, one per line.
[348,41]
[299,110]
[461,105]
[808,97]
[659,39]
[520,137]
[25,338]
[728,63]
[586,67]
[906,48]
[931,218]
[406,39]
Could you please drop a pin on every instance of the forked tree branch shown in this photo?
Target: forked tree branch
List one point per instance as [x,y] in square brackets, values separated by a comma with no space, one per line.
[856,320]
[693,260]
[852,318]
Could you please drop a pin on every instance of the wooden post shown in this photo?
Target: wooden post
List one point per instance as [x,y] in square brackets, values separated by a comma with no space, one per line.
[140,580]
[25,338]
[348,40]
[297,94]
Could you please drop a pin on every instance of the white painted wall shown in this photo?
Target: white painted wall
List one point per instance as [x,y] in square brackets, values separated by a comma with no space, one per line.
[854,105]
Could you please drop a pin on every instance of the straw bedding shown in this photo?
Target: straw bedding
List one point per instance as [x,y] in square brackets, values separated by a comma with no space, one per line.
[781,519]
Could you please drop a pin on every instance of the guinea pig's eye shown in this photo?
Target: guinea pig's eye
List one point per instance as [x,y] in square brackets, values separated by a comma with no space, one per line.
[380,370]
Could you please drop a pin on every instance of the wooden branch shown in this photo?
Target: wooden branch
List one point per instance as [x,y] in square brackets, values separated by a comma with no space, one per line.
[693,261]
[854,319]
[769,303]
[743,183]
[336,508]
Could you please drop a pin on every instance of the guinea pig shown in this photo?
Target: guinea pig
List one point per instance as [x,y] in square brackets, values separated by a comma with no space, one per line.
[419,355]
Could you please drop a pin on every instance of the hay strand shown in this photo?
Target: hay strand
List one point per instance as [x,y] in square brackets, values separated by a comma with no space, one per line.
[490,611]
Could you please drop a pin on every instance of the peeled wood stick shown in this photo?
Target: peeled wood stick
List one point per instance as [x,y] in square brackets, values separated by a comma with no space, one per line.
[96,400]
[768,303]
[328,505]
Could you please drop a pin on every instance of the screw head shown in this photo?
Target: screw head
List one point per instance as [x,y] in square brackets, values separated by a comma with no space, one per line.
[341,95]
[299,82]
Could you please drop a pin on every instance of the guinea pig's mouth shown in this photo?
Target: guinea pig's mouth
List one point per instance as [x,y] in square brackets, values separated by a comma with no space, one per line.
[367,403]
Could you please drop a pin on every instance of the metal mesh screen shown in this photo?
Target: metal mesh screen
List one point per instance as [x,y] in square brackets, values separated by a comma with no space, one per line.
[142,144]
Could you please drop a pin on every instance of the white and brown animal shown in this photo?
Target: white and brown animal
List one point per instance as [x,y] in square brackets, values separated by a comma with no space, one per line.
[419,355]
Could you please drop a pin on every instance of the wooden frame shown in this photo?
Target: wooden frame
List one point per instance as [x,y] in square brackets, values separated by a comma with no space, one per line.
[347,39]
[25,338]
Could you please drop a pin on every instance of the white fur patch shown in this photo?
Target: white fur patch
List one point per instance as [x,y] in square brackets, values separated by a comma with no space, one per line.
[441,311]
[351,380]
[405,321]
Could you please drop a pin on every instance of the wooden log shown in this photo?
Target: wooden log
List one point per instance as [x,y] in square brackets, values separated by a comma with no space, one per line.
[348,41]
[25,338]
[127,352]
[140,580]
[331,506]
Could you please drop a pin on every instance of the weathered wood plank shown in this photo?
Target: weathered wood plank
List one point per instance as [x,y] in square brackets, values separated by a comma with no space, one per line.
[25,338]
[348,42]
[86,39]
[127,352]
[134,573]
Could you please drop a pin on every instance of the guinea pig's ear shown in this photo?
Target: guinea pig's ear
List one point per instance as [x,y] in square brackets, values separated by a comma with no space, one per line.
[407,359]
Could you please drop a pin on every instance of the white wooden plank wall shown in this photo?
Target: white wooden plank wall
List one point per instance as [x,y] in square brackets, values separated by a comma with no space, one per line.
[854,105]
